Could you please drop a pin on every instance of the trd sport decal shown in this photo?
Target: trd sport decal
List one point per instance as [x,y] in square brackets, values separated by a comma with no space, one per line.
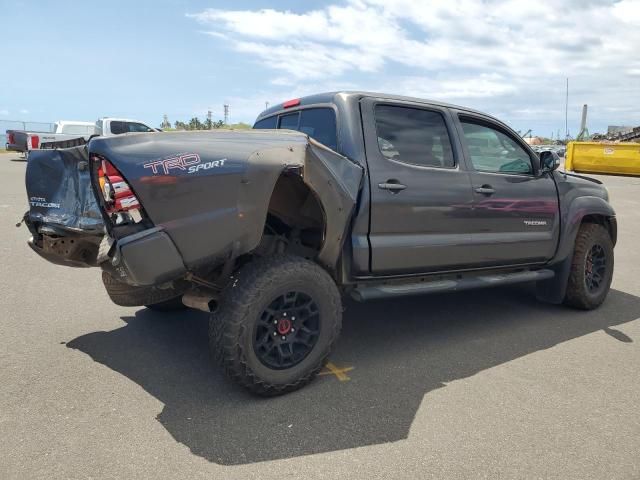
[189,162]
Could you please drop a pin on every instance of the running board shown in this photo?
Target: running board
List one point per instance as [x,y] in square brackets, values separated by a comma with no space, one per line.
[365,292]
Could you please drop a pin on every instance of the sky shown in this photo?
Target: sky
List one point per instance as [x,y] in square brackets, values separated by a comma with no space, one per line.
[142,59]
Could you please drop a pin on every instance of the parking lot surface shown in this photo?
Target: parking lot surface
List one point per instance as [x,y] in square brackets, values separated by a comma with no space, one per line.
[483,384]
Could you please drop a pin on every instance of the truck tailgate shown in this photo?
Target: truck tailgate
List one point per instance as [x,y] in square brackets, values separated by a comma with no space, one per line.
[64,216]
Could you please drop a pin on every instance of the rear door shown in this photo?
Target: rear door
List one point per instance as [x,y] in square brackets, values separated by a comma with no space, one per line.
[515,210]
[421,196]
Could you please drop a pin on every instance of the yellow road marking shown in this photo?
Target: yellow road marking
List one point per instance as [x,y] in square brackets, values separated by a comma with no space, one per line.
[340,373]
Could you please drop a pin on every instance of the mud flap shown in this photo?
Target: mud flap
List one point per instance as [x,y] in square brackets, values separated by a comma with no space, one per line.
[553,290]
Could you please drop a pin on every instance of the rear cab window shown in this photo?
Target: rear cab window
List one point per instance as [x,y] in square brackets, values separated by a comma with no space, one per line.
[317,122]
[269,123]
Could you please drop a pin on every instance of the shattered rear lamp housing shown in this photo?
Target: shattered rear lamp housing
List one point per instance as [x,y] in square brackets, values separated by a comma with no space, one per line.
[120,201]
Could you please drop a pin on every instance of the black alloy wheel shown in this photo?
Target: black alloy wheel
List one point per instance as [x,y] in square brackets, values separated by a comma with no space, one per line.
[595,268]
[287,330]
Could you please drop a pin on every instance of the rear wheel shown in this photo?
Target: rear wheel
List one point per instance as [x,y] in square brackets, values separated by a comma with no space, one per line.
[591,268]
[276,324]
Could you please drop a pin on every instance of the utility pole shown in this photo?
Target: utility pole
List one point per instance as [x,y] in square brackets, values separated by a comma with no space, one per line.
[566,113]
[584,131]
[209,119]
[226,114]
[266,105]
[165,121]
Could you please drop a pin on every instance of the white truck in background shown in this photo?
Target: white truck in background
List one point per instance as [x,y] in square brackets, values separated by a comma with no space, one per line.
[70,133]
[109,126]
[24,141]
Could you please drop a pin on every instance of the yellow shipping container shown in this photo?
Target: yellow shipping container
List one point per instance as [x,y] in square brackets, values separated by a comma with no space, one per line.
[594,157]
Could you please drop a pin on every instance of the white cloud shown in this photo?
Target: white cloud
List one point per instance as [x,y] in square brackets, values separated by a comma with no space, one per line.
[4,112]
[505,56]
[24,111]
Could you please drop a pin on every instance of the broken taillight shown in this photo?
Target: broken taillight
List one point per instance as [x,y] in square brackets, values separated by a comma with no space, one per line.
[120,201]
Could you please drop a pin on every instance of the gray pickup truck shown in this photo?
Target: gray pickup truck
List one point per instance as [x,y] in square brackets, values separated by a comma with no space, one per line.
[338,194]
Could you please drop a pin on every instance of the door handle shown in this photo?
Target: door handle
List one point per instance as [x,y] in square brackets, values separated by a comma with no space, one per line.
[485,190]
[392,185]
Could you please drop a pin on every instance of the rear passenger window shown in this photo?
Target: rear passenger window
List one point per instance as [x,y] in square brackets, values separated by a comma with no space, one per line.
[412,135]
[320,124]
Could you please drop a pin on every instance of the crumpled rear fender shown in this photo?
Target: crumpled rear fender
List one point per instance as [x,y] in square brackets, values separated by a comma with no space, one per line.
[334,179]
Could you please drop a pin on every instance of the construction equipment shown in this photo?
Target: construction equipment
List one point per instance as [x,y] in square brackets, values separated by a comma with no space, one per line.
[625,136]
[609,158]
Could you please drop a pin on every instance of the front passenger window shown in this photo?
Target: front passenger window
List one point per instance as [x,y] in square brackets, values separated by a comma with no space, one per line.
[493,151]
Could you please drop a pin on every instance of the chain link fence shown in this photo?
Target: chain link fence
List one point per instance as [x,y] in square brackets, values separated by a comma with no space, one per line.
[5,125]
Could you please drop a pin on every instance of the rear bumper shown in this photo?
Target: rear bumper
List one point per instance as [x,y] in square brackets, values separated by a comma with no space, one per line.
[69,249]
[144,259]
[13,148]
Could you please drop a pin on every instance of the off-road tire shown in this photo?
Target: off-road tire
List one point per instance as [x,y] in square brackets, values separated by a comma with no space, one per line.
[253,288]
[578,294]
[126,295]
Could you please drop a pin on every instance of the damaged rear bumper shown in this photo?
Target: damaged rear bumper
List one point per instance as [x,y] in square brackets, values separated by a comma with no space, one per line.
[146,258]
[142,259]
[66,248]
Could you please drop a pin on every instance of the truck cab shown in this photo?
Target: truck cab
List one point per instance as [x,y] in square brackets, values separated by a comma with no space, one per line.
[109,126]
[455,187]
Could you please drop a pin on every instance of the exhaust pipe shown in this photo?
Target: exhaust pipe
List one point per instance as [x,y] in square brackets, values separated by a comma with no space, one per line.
[204,301]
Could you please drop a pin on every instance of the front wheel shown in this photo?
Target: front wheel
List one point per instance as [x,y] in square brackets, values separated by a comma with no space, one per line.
[276,323]
[591,268]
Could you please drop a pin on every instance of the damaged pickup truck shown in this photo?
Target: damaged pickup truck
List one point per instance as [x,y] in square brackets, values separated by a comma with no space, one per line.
[351,193]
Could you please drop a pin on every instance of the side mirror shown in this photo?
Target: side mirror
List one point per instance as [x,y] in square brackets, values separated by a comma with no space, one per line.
[549,161]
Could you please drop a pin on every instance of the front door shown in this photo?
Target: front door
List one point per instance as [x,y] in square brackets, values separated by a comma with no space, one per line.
[515,211]
[421,197]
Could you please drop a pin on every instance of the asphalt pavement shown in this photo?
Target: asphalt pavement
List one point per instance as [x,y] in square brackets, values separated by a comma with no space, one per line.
[482,384]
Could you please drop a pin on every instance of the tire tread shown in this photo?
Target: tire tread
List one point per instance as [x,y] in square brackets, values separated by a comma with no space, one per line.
[240,301]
